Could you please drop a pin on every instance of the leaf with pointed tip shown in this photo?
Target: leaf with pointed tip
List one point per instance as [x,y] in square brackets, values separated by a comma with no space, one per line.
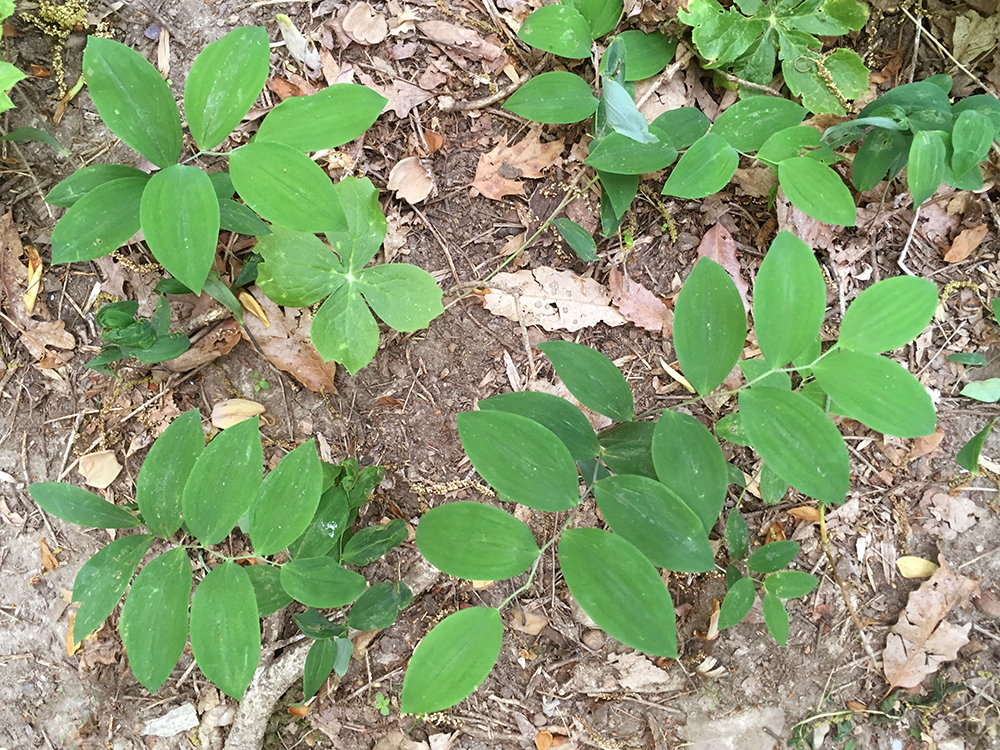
[592,378]
[79,506]
[888,314]
[103,579]
[286,500]
[689,462]
[160,485]
[99,222]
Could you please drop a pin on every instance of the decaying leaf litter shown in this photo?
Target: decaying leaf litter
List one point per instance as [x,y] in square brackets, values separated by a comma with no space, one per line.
[477,183]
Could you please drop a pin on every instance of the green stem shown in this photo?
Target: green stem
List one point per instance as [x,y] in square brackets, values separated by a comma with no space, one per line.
[538,560]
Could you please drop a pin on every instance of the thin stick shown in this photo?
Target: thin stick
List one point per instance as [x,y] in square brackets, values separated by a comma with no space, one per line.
[440,241]
[906,247]
[486,101]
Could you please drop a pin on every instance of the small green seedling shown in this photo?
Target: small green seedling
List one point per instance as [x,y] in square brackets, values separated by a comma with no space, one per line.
[149,341]
[382,704]
[259,384]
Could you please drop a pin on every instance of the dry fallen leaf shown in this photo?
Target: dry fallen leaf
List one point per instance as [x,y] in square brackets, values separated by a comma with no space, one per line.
[543,740]
[34,278]
[922,639]
[49,561]
[233,411]
[410,180]
[927,444]
[71,645]
[297,45]
[402,95]
[915,567]
[950,515]
[805,513]
[298,711]
[554,300]
[218,341]
[529,622]
[718,245]
[364,25]
[499,172]
[460,41]
[967,241]
[639,305]
[100,469]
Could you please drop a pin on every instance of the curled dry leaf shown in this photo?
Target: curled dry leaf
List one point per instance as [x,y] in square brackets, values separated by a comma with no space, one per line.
[100,469]
[34,278]
[639,305]
[364,25]
[527,621]
[499,172]
[218,341]
[718,245]
[297,45]
[922,639]
[410,180]
[554,300]
[49,561]
[915,567]
[233,411]
[967,241]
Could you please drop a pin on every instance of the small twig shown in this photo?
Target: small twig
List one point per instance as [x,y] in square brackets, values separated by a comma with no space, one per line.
[487,100]
[440,241]
[750,84]
[944,50]
[906,247]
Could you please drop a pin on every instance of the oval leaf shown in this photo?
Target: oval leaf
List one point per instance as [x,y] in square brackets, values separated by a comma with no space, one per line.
[558,29]
[705,168]
[80,507]
[554,98]
[100,222]
[557,414]
[82,181]
[621,154]
[647,54]
[816,190]
[925,169]
[372,542]
[286,501]
[344,329]
[751,121]
[592,378]
[628,449]
[790,584]
[320,661]
[266,581]
[103,579]
[378,606]
[737,535]
[160,485]
[773,556]
[330,118]
[405,297]
[776,618]
[476,542]
[321,582]
[452,660]
[983,390]
[578,238]
[330,521]
[888,314]
[737,603]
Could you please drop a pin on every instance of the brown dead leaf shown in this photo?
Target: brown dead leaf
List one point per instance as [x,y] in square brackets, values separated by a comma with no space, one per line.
[402,95]
[554,300]
[100,469]
[922,639]
[927,444]
[283,89]
[218,341]
[527,621]
[299,711]
[805,513]
[49,561]
[34,278]
[718,245]
[499,172]
[71,645]
[364,25]
[411,180]
[460,41]
[639,305]
[232,411]
[967,241]
[287,345]
[543,740]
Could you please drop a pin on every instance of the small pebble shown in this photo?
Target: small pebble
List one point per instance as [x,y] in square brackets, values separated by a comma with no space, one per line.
[594,639]
[539,719]
[152,32]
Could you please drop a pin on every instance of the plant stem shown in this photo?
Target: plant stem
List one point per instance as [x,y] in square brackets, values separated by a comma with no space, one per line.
[538,560]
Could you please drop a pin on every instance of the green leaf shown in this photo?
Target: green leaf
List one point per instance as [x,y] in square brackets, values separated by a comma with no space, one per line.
[330,118]
[877,392]
[224,81]
[602,15]
[888,314]
[9,75]
[737,535]
[710,326]
[758,372]
[154,619]
[103,579]
[452,660]
[773,556]
[286,187]
[790,584]
[799,140]
[180,220]
[556,97]
[557,414]
[267,590]
[321,582]
[365,230]
[100,222]
[798,441]
[160,484]
[628,449]
[646,54]
[968,456]
[737,603]
[225,631]
[971,139]
[592,378]
[81,182]
[772,487]
[816,190]
[406,297]
[344,330]
[730,428]
[298,269]
[321,661]
[926,165]
[850,13]
[235,217]
[378,606]
[690,463]
[750,122]
[621,154]
[983,390]
[223,482]
[80,507]
[332,518]
[846,70]
[523,461]
[776,618]
[621,114]
[657,521]
[558,29]
[682,126]
[314,625]
[578,238]
[971,359]
[133,100]
[881,151]
[617,191]
[372,542]
[619,588]
[286,501]
[705,168]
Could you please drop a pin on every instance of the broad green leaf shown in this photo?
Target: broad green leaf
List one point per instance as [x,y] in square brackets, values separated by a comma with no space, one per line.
[730,428]
[758,372]
[750,122]
[523,461]
[267,590]
[619,588]
[877,392]
[926,165]
[165,347]
[331,520]
[321,582]
[602,15]
[222,183]
[710,326]
[225,631]
[154,619]
[452,660]
[971,139]
[737,535]
[9,75]
[773,556]
[790,584]
[298,269]
[799,140]
[789,300]
[344,329]
[850,13]
[737,603]
[378,606]
[971,359]
[846,71]
[683,126]
[876,157]
[82,181]
[705,168]
[286,187]
[888,314]
[103,579]
[776,618]
[556,97]
[223,482]
[330,118]
[657,521]
[617,191]
[628,449]
[372,542]
[578,238]
[621,114]
[224,81]
[559,29]
[366,225]
[968,456]
[79,506]
[133,100]
[816,190]
[404,296]
[235,217]
[592,378]
[100,222]
[984,104]
[646,54]
[798,441]
[160,484]
[620,154]
[180,220]
[772,487]
[314,625]
[320,662]
[557,414]
[286,501]
[690,463]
